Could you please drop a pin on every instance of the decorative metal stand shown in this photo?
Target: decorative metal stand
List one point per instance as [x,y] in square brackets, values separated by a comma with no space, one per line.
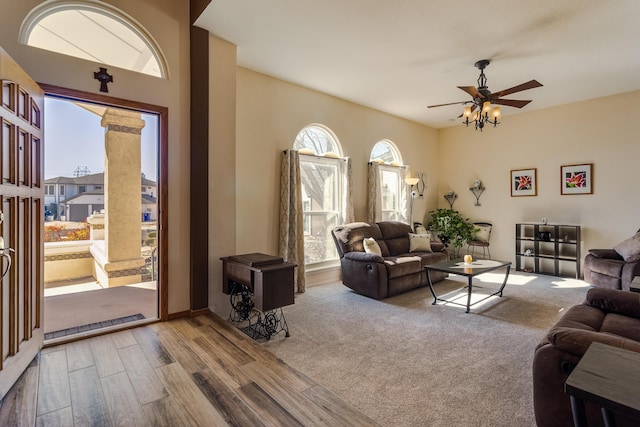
[451,197]
[250,320]
[477,191]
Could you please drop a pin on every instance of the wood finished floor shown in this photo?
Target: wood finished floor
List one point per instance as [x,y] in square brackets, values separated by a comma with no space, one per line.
[185,372]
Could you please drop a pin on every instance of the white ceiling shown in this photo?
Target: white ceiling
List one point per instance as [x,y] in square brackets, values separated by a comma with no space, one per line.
[398,56]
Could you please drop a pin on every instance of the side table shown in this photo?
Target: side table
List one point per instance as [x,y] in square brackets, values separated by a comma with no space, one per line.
[608,377]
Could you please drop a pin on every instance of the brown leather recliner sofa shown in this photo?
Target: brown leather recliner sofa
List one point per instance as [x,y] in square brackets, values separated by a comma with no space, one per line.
[396,271]
[606,268]
[608,316]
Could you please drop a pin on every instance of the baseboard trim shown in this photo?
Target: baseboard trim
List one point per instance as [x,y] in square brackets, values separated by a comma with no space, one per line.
[188,313]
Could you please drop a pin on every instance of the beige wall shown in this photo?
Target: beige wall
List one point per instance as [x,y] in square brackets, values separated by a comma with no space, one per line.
[601,131]
[270,113]
[168,22]
[223,193]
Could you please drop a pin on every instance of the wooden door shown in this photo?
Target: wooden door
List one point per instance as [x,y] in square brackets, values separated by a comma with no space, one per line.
[22,206]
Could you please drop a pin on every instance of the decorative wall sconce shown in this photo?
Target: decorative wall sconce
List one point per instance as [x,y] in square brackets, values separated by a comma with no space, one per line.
[451,197]
[411,182]
[421,185]
[477,190]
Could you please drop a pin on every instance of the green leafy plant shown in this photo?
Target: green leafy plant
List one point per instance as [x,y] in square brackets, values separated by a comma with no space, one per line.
[451,228]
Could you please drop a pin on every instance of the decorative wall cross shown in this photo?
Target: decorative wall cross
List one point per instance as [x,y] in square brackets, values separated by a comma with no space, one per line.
[103,77]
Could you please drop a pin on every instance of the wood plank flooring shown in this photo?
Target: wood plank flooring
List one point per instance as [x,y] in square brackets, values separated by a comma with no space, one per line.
[185,372]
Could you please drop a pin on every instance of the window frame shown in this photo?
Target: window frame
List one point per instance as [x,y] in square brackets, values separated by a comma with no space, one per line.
[399,208]
[332,156]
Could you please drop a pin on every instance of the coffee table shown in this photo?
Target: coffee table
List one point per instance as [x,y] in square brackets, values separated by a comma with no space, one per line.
[476,268]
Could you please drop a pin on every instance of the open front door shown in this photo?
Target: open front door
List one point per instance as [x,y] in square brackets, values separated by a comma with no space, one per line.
[22,206]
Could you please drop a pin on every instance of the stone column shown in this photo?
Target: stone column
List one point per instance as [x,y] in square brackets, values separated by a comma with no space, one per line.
[119,262]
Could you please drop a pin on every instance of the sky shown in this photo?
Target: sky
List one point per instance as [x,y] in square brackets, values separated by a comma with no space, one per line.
[74,138]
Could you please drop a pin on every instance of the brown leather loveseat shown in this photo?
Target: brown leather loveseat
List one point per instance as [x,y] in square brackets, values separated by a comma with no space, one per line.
[608,316]
[397,270]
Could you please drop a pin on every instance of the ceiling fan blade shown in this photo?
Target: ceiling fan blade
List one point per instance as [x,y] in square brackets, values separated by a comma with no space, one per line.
[511,102]
[471,90]
[450,103]
[524,86]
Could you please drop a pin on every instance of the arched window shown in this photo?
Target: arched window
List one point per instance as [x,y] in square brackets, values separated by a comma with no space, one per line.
[386,152]
[391,204]
[322,172]
[94,31]
[318,140]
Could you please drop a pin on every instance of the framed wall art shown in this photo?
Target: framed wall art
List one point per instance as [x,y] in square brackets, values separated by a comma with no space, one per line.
[576,179]
[524,182]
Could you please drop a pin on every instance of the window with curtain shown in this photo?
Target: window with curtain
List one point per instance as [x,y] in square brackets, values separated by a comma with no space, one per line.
[322,174]
[391,180]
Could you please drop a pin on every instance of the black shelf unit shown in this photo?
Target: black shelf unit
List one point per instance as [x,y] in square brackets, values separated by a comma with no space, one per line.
[550,249]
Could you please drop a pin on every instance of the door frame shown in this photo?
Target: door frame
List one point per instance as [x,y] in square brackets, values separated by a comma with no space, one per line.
[163,114]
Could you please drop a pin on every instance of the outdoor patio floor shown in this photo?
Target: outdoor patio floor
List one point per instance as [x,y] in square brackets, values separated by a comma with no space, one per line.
[84,303]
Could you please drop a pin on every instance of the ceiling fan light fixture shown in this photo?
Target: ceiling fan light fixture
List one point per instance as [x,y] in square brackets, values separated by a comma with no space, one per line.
[481,111]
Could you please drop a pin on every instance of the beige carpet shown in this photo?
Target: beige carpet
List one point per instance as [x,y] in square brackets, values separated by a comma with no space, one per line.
[406,362]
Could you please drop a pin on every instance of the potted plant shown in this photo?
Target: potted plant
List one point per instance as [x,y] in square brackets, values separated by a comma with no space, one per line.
[451,228]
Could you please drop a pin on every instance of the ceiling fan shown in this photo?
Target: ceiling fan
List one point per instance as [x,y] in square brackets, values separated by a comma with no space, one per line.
[482,98]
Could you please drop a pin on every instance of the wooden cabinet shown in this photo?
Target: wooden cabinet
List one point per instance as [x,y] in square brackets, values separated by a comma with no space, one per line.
[551,249]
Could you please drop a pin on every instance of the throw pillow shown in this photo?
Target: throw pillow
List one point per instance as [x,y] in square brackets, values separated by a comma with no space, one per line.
[420,229]
[482,235]
[629,249]
[420,242]
[371,246]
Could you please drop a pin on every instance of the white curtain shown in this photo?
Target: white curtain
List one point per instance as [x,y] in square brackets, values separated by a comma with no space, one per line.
[348,193]
[374,194]
[291,242]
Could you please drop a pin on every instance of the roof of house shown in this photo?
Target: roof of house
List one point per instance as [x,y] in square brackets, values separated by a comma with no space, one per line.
[92,179]
[146,199]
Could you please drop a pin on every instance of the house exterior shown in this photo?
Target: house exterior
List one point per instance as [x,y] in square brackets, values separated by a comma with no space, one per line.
[74,199]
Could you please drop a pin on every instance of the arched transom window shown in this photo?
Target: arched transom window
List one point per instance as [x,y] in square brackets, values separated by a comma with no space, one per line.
[386,151]
[94,31]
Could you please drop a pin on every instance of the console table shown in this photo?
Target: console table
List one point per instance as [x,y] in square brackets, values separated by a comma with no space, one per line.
[609,377]
[258,286]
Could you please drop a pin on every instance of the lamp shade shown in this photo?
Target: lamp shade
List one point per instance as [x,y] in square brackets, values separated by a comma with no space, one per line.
[411,181]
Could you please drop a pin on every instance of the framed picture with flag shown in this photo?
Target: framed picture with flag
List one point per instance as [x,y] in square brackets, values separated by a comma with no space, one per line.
[524,182]
[576,179]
